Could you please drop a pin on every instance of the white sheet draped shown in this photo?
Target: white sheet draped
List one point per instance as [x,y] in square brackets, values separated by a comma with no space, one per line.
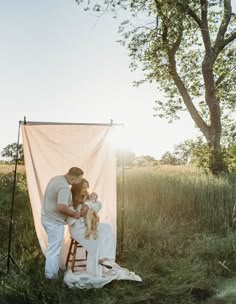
[51,149]
[84,280]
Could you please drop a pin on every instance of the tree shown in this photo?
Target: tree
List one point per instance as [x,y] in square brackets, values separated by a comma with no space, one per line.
[196,152]
[187,47]
[145,161]
[183,152]
[193,152]
[9,153]
[169,159]
[231,158]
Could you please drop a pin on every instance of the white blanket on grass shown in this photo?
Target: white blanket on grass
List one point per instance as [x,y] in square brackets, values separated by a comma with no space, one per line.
[95,275]
[83,280]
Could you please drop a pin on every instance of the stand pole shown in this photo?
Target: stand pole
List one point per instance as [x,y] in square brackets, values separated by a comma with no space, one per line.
[9,256]
[122,207]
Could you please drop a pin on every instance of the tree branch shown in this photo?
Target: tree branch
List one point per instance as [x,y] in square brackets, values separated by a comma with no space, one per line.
[205,28]
[223,76]
[177,42]
[220,42]
[204,10]
[186,9]
[219,80]
[229,39]
[224,43]
[185,95]
[201,22]
[224,22]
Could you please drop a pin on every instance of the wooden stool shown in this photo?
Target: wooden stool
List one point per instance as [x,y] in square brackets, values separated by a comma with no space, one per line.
[71,256]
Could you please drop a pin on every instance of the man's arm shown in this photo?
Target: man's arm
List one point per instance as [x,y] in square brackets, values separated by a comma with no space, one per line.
[64,209]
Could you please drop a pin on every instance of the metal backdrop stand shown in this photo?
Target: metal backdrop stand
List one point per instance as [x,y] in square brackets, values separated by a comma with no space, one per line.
[122,243]
[122,206]
[9,257]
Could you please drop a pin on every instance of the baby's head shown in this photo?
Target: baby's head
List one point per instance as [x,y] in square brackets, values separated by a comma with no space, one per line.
[93,196]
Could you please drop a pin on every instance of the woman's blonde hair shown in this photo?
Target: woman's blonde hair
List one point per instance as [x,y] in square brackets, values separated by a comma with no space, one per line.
[76,189]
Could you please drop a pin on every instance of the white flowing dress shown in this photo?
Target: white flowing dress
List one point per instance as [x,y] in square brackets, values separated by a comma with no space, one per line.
[102,247]
[96,275]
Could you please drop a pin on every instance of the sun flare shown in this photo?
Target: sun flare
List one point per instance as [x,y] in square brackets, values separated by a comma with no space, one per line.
[120,138]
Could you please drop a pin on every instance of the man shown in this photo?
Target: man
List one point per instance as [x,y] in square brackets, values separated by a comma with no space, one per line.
[54,211]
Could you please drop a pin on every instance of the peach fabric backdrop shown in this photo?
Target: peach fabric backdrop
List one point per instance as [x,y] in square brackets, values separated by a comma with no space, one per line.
[51,149]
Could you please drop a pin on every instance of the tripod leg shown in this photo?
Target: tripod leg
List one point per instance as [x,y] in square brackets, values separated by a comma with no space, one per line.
[14,261]
[3,258]
[8,257]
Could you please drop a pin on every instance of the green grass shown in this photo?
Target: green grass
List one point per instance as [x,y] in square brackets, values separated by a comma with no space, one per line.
[178,236]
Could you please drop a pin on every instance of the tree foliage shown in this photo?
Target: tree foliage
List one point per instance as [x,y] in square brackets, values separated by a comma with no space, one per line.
[169,158]
[187,47]
[196,152]
[10,151]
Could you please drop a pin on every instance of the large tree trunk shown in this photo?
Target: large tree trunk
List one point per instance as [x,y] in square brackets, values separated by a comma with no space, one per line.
[211,132]
[217,163]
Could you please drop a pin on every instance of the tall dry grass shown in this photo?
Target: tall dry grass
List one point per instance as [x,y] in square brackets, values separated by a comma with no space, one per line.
[178,227]
[9,168]
[183,194]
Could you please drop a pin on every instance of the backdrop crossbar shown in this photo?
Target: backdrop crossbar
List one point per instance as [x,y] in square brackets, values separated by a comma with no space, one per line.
[68,123]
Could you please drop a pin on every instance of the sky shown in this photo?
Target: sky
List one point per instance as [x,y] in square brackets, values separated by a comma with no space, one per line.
[61,64]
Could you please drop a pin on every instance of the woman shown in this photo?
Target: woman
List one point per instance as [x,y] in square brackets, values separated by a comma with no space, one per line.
[101,251]
[100,267]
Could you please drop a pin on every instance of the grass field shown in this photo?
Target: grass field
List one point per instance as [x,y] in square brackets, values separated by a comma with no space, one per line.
[179,236]
[5,168]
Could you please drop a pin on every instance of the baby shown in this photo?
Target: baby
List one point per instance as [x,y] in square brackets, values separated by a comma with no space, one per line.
[92,218]
[92,206]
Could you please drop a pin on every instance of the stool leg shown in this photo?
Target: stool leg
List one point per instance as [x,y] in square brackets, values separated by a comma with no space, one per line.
[72,253]
[69,253]
[74,256]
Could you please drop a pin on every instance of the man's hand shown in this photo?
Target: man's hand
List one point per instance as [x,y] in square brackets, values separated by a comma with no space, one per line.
[84,210]
[77,215]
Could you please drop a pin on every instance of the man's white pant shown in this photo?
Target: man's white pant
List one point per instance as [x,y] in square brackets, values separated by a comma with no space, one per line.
[55,233]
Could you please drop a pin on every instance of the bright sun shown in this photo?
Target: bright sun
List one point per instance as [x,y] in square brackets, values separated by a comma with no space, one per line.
[120,138]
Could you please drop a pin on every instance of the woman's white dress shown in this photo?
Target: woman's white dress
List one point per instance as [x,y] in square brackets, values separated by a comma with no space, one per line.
[96,275]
